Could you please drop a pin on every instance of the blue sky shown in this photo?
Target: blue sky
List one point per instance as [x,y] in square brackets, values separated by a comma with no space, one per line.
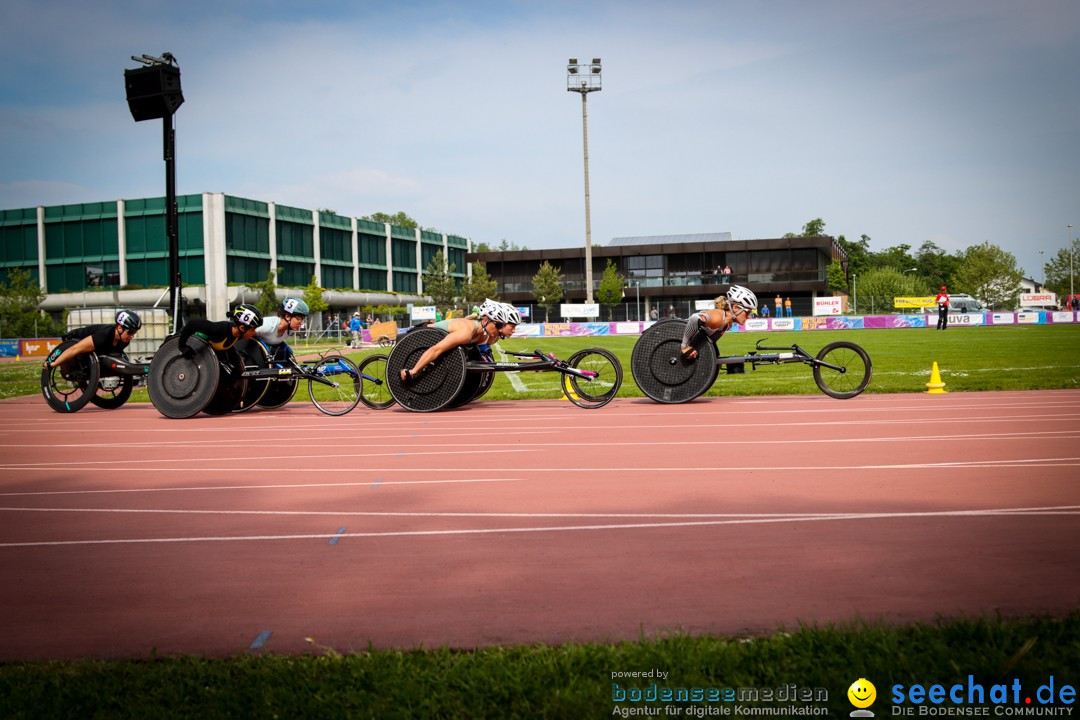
[954,121]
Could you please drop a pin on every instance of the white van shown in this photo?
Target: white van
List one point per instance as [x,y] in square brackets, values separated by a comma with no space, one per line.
[965,303]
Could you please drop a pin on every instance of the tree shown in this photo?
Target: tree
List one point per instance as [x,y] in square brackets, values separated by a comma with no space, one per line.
[1060,274]
[480,286]
[610,290]
[936,265]
[439,281]
[267,301]
[548,287]
[878,288]
[990,274]
[313,296]
[835,277]
[896,257]
[20,296]
[506,246]
[400,219]
[814,228]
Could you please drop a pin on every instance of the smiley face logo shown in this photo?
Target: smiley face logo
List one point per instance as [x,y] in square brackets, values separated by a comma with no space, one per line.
[862,693]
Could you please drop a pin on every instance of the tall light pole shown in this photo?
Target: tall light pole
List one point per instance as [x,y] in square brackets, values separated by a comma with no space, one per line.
[854,294]
[585,79]
[1072,291]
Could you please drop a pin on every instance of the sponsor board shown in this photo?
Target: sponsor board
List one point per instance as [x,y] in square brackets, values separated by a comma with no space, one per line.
[37,347]
[1000,318]
[627,328]
[1063,316]
[757,324]
[704,304]
[782,324]
[529,330]
[579,310]
[423,312]
[1038,300]
[829,306]
[1028,318]
[913,302]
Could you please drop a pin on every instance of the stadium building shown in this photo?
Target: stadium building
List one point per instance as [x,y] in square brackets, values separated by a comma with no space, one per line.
[115,253]
[670,272]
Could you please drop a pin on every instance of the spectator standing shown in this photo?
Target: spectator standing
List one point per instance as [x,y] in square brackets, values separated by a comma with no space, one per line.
[779,303]
[653,315]
[764,310]
[787,307]
[1075,303]
[942,301]
[355,326]
[726,272]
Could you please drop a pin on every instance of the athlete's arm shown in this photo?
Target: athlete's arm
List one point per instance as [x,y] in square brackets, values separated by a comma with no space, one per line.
[83,346]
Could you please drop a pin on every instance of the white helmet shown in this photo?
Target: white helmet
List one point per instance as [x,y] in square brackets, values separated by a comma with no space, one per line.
[499,312]
[742,296]
[512,315]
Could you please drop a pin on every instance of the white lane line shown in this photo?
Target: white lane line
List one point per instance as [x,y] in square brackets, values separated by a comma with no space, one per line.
[1058,509]
[233,459]
[286,486]
[335,441]
[698,470]
[539,529]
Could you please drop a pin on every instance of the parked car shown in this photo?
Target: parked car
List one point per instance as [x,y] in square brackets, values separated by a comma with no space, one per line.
[965,303]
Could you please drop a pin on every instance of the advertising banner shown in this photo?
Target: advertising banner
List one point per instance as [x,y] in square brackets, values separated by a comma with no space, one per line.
[913,302]
[10,347]
[782,324]
[529,330]
[832,323]
[580,310]
[884,322]
[627,328]
[829,306]
[423,312]
[1029,318]
[524,311]
[37,347]
[704,304]
[962,319]
[1048,299]
[1061,316]
[757,325]
[999,318]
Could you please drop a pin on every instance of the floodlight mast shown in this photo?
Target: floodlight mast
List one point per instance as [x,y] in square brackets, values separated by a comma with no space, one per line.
[584,79]
[166,112]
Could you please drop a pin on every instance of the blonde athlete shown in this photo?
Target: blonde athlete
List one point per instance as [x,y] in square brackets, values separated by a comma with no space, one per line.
[734,308]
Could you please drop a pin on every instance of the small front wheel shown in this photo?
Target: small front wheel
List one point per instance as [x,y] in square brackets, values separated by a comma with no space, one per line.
[850,372]
[603,380]
[343,392]
[375,390]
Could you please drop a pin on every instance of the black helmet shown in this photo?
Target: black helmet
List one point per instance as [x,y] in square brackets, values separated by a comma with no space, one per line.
[246,316]
[128,320]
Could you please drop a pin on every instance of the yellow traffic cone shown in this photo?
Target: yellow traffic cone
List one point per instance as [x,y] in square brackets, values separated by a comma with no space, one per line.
[935,386]
[569,391]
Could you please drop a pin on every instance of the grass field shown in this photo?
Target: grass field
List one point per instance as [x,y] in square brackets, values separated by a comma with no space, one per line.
[570,681]
[574,681]
[1031,357]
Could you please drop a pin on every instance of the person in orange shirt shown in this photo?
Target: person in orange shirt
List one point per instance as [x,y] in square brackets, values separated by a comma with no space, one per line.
[787,307]
[942,301]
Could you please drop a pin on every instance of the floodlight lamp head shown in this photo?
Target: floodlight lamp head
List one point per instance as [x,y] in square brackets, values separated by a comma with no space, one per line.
[573,61]
[596,61]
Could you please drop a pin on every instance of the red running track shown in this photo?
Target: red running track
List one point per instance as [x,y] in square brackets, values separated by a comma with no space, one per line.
[123,532]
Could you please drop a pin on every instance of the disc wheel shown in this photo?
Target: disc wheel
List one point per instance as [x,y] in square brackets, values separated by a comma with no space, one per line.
[181,387]
[345,392]
[853,373]
[438,384]
[374,390]
[67,387]
[597,391]
[661,371]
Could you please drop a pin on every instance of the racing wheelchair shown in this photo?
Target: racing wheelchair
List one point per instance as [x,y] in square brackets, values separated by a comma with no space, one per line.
[67,388]
[590,377]
[841,369]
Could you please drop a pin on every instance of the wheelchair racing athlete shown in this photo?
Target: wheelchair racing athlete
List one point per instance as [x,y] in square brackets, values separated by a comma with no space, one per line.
[243,321]
[496,321]
[714,323]
[272,332]
[102,339]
